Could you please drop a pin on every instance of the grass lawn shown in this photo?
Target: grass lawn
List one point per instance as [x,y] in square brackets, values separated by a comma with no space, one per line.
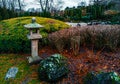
[25,74]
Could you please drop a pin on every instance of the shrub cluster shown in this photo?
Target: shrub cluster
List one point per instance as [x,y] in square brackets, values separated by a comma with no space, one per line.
[100,36]
[13,34]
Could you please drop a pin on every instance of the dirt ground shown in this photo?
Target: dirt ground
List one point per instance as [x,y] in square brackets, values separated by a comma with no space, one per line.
[87,61]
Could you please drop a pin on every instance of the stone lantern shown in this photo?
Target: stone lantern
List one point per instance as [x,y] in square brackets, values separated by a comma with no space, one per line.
[34,36]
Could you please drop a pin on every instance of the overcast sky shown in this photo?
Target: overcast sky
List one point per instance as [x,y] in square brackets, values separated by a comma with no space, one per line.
[69,3]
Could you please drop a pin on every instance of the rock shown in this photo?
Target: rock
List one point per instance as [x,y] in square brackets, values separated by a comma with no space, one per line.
[11,73]
[89,23]
[83,24]
[53,68]
[102,78]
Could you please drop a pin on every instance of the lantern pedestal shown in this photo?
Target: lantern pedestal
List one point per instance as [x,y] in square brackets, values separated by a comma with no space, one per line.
[34,36]
[34,60]
[34,49]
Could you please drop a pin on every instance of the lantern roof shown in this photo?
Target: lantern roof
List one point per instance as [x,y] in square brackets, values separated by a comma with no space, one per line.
[33,24]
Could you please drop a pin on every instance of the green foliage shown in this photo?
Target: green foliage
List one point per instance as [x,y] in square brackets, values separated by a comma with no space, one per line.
[102,78]
[73,14]
[13,34]
[97,11]
[6,13]
[85,18]
[53,68]
[116,19]
[46,14]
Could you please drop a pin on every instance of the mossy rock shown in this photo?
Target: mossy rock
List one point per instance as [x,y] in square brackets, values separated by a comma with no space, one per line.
[53,68]
[102,78]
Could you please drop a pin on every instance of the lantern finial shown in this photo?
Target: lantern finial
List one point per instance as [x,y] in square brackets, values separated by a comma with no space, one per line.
[33,20]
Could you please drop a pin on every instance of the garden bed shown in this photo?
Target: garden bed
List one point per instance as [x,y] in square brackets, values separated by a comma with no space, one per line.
[87,61]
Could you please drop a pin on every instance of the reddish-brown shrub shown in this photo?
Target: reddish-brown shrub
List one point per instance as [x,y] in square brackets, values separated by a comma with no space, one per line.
[100,36]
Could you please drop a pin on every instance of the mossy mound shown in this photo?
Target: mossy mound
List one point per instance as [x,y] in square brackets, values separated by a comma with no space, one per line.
[13,34]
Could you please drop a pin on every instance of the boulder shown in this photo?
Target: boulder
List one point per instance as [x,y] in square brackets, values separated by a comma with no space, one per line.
[102,78]
[11,73]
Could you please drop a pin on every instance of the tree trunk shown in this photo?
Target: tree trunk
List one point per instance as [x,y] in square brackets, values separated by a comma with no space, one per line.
[19,3]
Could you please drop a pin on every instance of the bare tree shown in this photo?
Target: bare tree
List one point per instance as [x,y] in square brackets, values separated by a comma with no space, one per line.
[3,3]
[12,4]
[59,5]
[45,5]
[20,5]
[50,5]
[82,3]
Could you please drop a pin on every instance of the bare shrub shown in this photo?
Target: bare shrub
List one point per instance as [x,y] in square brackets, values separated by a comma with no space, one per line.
[100,36]
[61,39]
[75,44]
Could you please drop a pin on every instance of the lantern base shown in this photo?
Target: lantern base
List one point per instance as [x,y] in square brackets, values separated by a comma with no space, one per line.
[34,60]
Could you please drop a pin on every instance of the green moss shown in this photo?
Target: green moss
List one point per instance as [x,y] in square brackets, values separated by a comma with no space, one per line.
[13,34]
